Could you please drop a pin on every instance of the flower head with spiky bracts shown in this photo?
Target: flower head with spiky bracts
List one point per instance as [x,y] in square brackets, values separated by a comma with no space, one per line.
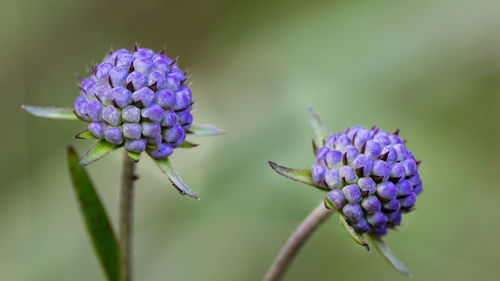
[138,100]
[370,177]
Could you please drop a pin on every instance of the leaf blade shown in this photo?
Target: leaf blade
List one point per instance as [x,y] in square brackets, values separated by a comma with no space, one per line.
[187,144]
[96,220]
[51,112]
[101,149]
[389,256]
[205,130]
[319,129]
[165,167]
[298,175]
[85,135]
[353,234]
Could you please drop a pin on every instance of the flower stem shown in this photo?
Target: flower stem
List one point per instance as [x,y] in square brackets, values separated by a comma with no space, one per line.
[296,241]
[126,218]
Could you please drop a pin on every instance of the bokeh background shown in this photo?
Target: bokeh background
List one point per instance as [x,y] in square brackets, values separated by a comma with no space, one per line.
[430,68]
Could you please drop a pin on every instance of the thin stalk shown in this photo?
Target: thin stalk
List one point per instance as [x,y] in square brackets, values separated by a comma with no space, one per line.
[296,241]
[126,218]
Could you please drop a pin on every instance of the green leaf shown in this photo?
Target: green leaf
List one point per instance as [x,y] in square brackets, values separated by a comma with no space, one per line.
[101,149]
[85,135]
[303,176]
[319,129]
[165,167]
[187,144]
[51,112]
[205,130]
[97,221]
[354,235]
[389,256]
[134,156]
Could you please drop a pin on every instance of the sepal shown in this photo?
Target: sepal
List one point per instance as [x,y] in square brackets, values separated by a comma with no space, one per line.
[134,156]
[303,176]
[388,255]
[85,135]
[319,129]
[187,144]
[205,130]
[51,112]
[101,149]
[164,165]
[354,235]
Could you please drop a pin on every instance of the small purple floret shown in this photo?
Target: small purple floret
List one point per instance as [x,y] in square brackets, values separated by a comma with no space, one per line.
[152,113]
[352,193]
[336,197]
[132,131]
[137,146]
[114,135]
[163,151]
[318,174]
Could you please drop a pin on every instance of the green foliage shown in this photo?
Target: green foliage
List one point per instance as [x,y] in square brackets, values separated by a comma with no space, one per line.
[95,217]
[205,130]
[101,149]
[51,112]
[165,166]
[303,176]
[389,256]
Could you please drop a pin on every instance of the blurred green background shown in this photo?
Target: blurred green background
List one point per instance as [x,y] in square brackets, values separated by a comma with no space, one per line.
[430,68]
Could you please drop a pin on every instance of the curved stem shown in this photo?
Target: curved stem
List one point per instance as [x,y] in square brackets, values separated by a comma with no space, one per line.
[296,241]
[126,218]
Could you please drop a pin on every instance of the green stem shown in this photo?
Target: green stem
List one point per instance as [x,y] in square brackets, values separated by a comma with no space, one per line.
[296,241]
[126,218]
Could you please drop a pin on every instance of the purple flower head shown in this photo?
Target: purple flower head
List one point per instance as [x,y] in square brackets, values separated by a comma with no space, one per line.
[145,91]
[372,177]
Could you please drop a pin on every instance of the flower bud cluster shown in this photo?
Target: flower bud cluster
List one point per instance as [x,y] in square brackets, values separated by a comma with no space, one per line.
[137,99]
[373,178]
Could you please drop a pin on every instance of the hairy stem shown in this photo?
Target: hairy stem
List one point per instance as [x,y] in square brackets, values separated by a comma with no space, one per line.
[126,218]
[296,241]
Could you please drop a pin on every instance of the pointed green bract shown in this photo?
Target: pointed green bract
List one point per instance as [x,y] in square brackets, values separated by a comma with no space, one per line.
[101,149]
[303,176]
[51,112]
[319,129]
[134,156]
[187,144]
[389,256]
[354,235]
[165,166]
[97,222]
[85,135]
[205,130]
